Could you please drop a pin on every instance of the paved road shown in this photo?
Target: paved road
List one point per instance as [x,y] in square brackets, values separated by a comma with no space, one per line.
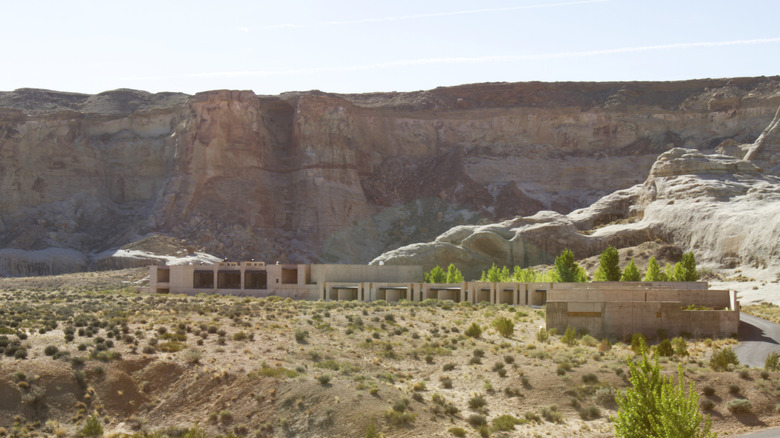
[757,338]
[769,433]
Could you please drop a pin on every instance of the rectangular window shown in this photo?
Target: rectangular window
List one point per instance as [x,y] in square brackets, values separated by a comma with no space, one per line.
[255,280]
[229,279]
[203,280]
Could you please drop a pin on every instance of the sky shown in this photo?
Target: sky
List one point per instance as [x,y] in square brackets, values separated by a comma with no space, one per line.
[366,46]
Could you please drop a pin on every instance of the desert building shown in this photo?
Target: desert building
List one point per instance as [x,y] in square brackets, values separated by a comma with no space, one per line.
[603,309]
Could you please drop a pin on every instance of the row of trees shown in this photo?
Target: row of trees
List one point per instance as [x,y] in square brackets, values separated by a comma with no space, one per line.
[609,269]
[566,270]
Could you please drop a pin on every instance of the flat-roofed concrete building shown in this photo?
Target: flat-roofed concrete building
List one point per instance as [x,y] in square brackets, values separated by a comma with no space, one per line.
[604,309]
[620,309]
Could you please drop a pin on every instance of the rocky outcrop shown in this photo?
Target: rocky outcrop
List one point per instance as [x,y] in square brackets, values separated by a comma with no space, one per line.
[709,204]
[340,178]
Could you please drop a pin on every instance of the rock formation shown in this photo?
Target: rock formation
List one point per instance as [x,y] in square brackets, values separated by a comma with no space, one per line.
[724,209]
[313,176]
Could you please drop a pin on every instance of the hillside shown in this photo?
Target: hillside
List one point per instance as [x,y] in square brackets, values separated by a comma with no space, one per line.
[313,176]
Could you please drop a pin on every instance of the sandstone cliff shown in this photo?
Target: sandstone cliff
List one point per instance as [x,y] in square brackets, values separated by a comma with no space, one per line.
[341,178]
[724,209]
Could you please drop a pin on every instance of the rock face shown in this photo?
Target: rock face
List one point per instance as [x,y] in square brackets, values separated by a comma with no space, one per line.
[342,178]
[724,209]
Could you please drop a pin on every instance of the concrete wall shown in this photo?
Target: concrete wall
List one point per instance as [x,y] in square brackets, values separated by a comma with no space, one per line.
[614,312]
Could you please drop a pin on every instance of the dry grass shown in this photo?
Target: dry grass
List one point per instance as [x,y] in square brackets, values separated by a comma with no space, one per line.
[238,368]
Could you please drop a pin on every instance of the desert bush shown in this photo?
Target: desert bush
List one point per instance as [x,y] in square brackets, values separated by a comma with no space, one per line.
[654,406]
[474,330]
[638,343]
[664,348]
[605,396]
[707,404]
[680,346]
[504,326]
[505,423]
[399,419]
[552,414]
[446,382]
[721,359]
[171,346]
[457,432]
[569,337]
[50,350]
[477,402]
[448,366]
[772,362]
[604,346]
[92,427]
[740,406]
[590,378]
[301,335]
[476,420]
[324,379]
[708,390]
[734,389]
[542,335]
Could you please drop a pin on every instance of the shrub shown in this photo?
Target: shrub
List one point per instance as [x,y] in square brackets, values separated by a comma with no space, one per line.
[50,350]
[590,378]
[398,419]
[664,349]
[371,430]
[505,423]
[446,382]
[476,420]
[240,336]
[448,366]
[457,431]
[477,402]
[474,330]
[552,414]
[604,396]
[638,343]
[708,390]
[542,335]
[721,359]
[740,406]
[569,337]
[680,346]
[301,335]
[324,379]
[504,326]
[772,362]
[734,389]
[92,427]
[707,405]
[654,406]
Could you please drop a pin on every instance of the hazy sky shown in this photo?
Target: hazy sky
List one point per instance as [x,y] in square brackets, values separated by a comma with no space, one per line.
[362,46]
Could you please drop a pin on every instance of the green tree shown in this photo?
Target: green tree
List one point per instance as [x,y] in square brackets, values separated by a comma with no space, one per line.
[527,275]
[609,265]
[567,270]
[669,273]
[505,274]
[654,271]
[631,273]
[436,275]
[656,407]
[493,274]
[685,269]
[453,274]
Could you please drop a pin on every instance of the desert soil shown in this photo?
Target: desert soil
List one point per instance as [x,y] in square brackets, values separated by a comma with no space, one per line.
[274,367]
